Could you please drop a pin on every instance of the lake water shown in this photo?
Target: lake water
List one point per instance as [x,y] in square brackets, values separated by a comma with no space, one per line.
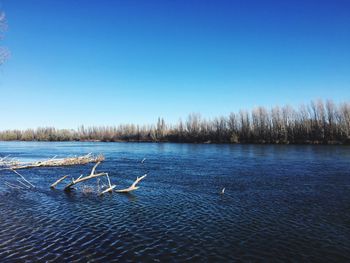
[282,203]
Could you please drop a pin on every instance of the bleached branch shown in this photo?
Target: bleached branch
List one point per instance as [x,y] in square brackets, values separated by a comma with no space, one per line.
[133,187]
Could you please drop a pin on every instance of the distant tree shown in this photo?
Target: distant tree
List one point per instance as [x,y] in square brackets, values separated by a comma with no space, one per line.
[278,129]
[180,131]
[161,129]
[245,129]
[193,126]
[316,123]
[344,120]
[232,124]
[288,124]
[331,113]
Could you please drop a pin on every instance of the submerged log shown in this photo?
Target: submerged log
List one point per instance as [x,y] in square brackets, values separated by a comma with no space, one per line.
[133,187]
[85,159]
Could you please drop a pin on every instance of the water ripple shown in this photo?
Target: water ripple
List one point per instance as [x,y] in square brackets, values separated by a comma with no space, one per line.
[274,209]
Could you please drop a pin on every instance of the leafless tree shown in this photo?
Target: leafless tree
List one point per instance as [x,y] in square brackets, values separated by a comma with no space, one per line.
[316,123]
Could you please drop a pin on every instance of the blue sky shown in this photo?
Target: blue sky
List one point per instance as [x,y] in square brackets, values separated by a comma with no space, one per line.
[102,62]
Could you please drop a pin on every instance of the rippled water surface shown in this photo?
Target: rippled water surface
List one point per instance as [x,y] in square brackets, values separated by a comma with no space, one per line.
[282,203]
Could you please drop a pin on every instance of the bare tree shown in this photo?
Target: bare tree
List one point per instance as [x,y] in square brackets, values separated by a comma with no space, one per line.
[316,123]
[331,112]
[232,124]
[245,129]
[193,125]
[161,129]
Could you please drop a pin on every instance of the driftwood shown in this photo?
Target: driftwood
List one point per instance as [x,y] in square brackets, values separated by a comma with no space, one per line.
[13,165]
[82,179]
[101,190]
[13,186]
[58,181]
[26,186]
[24,179]
[23,182]
[133,187]
[92,175]
[85,159]
[110,188]
[8,162]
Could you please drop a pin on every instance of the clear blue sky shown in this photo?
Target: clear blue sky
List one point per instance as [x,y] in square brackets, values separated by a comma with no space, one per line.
[103,62]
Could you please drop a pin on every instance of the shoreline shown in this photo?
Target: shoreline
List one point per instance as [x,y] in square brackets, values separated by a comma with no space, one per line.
[335,143]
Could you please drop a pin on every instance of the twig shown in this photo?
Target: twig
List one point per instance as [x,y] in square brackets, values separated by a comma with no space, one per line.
[13,186]
[23,184]
[98,185]
[109,181]
[94,168]
[23,178]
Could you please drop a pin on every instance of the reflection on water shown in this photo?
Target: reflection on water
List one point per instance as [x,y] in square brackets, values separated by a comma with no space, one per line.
[281,203]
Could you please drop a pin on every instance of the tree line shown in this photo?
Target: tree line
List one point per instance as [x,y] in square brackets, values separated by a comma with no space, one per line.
[316,123]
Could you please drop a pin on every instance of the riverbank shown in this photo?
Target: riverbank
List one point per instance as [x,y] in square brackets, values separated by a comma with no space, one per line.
[307,142]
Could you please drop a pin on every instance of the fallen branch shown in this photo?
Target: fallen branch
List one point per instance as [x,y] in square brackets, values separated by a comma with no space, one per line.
[85,159]
[26,186]
[13,186]
[82,179]
[24,179]
[110,188]
[58,181]
[6,162]
[101,189]
[133,186]
[74,182]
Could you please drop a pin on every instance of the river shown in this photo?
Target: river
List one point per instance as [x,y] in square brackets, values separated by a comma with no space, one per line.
[281,203]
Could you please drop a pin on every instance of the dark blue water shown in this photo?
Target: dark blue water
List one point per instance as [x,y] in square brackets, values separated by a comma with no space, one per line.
[282,203]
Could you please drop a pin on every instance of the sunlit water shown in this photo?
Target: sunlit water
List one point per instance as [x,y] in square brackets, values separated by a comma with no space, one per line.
[282,203]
